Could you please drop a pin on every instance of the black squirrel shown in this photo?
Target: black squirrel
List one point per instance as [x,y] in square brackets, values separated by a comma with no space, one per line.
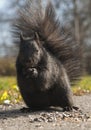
[48,59]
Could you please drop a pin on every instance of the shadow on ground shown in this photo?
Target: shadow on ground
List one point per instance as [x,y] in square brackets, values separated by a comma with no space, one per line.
[14,113]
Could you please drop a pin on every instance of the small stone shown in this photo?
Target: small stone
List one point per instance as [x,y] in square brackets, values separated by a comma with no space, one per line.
[37,119]
[39,126]
[6,102]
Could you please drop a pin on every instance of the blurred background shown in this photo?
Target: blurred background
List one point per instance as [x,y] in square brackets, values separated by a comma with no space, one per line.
[73,13]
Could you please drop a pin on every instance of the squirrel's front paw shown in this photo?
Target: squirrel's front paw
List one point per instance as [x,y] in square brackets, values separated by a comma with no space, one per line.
[30,72]
[33,72]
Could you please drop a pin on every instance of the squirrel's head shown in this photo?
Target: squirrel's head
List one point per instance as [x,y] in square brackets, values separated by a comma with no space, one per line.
[30,50]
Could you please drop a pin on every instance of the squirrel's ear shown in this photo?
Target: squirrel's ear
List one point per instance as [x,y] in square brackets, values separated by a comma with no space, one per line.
[21,37]
[36,36]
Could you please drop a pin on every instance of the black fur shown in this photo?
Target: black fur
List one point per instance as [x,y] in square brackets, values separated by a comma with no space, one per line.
[42,79]
[48,59]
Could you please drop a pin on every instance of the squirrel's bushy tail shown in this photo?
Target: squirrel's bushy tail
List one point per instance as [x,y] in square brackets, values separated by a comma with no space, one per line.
[56,39]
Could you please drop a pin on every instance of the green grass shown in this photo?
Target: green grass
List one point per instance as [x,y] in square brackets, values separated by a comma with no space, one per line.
[7,82]
[9,91]
[83,86]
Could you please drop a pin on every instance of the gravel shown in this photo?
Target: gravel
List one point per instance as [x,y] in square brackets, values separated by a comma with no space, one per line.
[12,118]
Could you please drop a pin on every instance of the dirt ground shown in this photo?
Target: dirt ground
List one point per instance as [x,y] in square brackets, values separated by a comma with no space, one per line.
[11,118]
